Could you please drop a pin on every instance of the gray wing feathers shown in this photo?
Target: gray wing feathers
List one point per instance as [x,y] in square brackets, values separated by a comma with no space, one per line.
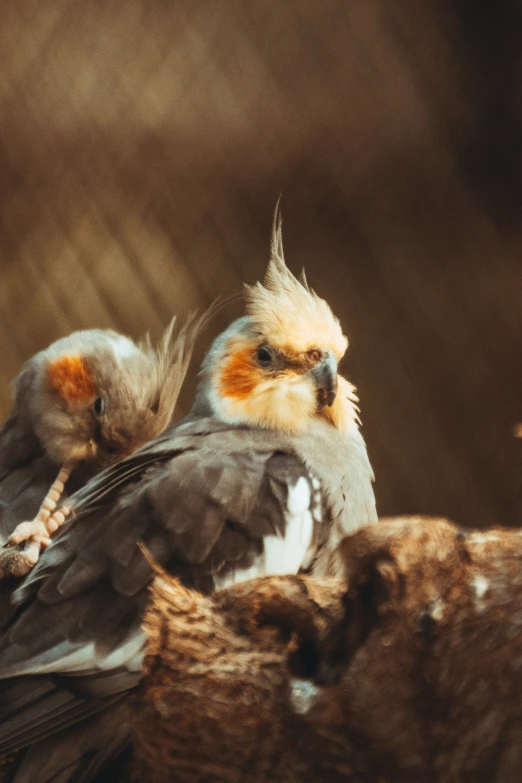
[78,753]
[208,508]
[18,442]
[346,478]
[23,468]
[206,511]
[21,492]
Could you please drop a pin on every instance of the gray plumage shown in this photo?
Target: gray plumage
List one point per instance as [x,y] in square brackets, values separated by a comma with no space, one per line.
[203,510]
[218,498]
[92,397]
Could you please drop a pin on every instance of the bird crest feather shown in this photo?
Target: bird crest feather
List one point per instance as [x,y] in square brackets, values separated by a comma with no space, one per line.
[288,312]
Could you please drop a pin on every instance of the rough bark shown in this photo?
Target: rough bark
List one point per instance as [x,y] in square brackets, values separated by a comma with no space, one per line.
[217,694]
[412,673]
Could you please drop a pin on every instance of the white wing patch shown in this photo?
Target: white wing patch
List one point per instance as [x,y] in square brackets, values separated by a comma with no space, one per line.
[286,554]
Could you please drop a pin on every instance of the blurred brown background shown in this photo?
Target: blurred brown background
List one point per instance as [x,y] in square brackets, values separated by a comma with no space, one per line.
[143,146]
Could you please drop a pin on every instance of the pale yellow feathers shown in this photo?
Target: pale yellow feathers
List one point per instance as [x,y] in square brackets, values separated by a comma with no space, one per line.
[344,412]
[288,311]
[294,320]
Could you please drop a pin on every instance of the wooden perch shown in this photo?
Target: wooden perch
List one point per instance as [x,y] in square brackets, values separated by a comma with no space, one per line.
[412,674]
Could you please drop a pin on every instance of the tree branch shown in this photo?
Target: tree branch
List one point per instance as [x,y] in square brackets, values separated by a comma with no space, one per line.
[411,671]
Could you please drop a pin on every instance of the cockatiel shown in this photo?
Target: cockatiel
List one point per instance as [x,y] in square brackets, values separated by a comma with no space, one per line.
[80,405]
[264,476]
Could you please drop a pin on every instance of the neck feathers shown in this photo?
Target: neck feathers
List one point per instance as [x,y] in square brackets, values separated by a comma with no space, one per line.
[344,413]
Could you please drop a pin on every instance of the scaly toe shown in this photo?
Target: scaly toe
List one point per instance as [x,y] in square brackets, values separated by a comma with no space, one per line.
[26,530]
[43,542]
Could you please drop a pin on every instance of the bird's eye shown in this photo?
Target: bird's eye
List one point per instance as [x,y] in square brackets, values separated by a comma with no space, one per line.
[264,356]
[313,355]
[99,406]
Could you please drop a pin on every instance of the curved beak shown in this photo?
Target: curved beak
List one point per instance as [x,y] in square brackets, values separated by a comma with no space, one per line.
[325,378]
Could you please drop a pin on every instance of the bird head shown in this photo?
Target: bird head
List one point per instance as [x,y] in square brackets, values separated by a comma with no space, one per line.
[277,367]
[96,396]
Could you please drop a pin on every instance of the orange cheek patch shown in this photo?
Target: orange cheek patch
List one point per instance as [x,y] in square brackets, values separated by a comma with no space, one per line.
[71,378]
[239,376]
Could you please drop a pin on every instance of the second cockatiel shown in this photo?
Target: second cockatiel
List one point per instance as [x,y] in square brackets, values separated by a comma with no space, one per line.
[82,404]
[265,476]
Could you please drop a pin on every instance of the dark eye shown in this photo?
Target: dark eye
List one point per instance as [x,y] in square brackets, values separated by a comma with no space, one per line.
[264,355]
[313,355]
[99,406]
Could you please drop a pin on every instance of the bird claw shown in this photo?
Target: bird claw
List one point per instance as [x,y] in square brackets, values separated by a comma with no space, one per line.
[37,533]
[34,530]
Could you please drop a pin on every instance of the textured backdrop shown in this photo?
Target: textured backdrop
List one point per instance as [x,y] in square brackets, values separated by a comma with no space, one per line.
[143,146]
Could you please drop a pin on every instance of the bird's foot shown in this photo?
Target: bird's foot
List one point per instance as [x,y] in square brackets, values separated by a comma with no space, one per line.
[40,528]
[35,530]
[15,561]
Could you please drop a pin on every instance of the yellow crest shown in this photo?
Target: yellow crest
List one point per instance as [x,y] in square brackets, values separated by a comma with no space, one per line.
[287,311]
